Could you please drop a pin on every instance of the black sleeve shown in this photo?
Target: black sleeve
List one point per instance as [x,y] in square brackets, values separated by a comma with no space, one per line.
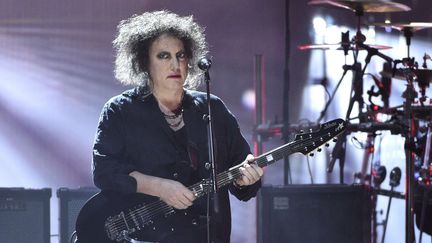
[110,168]
[238,149]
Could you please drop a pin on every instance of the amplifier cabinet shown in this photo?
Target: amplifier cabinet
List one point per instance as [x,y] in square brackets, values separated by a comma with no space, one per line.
[70,203]
[25,215]
[314,213]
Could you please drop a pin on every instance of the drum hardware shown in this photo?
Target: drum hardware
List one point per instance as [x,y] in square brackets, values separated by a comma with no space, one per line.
[357,42]
[425,58]
[389,193]
[369,150]
[408,30]
[384,87]
[403,117]
[409,95]
[393,127]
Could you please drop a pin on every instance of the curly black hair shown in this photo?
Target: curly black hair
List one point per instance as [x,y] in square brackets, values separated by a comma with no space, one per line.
[136,34]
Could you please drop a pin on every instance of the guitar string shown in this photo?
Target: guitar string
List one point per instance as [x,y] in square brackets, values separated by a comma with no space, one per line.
[224,180]
[146,216]
[149,208]
[261,159]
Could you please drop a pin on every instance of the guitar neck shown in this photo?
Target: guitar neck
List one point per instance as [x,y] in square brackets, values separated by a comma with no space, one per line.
[226,177]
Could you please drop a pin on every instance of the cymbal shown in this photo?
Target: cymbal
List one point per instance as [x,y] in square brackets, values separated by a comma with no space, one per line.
[414,26]
[337,47]
[367,6]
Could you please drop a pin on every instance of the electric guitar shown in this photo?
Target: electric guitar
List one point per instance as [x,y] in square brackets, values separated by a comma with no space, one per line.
[113,217]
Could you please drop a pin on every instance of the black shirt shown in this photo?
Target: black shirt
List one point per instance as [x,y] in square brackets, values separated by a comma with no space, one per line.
[133,135]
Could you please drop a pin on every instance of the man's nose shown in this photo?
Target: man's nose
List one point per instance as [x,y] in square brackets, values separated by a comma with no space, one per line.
[175,63]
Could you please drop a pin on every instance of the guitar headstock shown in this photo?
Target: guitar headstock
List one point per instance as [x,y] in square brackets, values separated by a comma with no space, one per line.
[305,143]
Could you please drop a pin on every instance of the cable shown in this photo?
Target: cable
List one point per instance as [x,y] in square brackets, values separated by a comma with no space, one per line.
[309,169]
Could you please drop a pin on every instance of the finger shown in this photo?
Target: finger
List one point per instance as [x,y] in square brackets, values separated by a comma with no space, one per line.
[247,172]
[258,170]
[250,158]
[189,195]
[253,173]
[244,181]
[180,205]
[185,201]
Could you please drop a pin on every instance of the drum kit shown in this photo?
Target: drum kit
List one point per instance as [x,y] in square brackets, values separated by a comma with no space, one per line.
[412,119]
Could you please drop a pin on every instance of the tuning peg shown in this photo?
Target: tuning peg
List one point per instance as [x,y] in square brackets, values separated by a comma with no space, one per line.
[327,144]
[311,154]
[319,149]
[301,131]
[335,140]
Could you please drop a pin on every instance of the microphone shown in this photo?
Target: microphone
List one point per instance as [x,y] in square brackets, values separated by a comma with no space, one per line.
[204,64]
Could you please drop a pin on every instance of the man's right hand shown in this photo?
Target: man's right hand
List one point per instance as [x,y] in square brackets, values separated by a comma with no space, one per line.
[175,194]
[171,192]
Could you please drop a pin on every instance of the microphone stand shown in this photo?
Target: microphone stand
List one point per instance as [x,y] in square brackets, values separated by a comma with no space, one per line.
[213,188]
[395,176]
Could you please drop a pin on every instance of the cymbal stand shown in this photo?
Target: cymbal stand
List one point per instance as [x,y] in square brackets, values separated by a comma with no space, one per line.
[338,152]
[356,96]
[408,33]
[409,95]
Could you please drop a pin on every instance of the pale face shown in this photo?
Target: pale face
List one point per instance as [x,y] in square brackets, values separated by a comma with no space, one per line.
[168,63]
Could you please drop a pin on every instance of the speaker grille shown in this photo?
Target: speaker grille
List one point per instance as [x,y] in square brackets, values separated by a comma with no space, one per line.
[71,201]
[314,213]
[24,215]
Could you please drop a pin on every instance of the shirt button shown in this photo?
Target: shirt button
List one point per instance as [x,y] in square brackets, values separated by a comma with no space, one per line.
[175,175]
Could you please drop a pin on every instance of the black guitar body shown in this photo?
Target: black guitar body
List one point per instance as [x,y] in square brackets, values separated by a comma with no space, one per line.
[90,224]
